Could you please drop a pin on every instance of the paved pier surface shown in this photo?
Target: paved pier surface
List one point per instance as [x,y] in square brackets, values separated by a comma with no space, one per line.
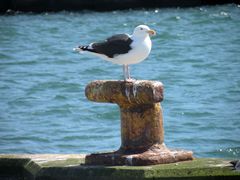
[71,166]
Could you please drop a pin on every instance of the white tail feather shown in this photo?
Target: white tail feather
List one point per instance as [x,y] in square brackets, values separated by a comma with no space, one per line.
[77,49]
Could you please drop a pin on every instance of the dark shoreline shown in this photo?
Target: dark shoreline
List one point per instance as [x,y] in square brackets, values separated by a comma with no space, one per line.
[39,6]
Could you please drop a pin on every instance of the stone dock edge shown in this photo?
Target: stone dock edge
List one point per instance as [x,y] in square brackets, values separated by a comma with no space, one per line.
[71,166]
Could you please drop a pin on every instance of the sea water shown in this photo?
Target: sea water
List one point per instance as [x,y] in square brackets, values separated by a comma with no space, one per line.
[196,54]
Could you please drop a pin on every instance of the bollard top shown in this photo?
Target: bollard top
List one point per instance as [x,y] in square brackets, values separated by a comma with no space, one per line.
[125,92]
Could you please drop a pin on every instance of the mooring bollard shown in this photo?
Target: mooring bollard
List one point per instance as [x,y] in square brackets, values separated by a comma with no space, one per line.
[142,133]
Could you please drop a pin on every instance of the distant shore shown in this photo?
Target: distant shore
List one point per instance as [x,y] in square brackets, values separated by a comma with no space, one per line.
[100,5]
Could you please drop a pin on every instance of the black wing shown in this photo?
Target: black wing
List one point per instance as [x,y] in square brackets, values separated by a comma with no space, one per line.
[115,45]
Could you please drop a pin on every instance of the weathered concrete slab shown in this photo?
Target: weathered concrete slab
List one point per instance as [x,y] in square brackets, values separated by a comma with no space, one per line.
[71,166]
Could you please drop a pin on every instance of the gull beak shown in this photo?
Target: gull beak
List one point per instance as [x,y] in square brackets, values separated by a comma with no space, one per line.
[151,32]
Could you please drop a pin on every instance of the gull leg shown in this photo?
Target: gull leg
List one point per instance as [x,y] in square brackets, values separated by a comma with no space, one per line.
[128,72]
[124,72]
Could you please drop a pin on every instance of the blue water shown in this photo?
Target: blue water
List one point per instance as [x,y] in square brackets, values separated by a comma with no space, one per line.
[196,54]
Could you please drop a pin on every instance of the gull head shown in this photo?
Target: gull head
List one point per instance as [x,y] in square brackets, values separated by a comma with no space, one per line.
[143,31]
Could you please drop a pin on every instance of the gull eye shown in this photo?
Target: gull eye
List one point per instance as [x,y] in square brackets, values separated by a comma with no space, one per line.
[141,28]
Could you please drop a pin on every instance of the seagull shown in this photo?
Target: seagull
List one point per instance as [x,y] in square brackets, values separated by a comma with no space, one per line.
[123,49]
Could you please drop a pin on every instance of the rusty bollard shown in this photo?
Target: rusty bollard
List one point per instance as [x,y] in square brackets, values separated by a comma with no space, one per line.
[142,133]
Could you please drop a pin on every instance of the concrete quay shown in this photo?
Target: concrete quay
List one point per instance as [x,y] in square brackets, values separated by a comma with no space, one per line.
[72,166]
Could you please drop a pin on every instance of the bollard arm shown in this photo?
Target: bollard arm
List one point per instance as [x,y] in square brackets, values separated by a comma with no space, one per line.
[125,92]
